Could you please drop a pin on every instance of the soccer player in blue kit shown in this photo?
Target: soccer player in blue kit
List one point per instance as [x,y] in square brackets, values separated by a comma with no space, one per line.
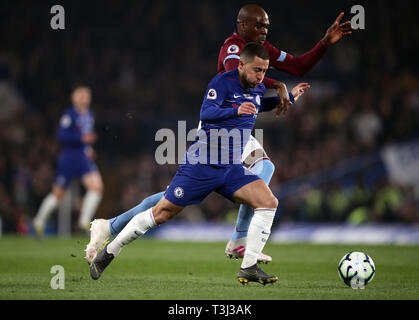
[252,26]
[213,163]
[76,135]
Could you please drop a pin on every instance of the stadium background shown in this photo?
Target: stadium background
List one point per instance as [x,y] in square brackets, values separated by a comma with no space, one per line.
[148,63]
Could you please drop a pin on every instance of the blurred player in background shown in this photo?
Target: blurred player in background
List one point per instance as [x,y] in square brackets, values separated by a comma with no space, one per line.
[76,135]
[252,26]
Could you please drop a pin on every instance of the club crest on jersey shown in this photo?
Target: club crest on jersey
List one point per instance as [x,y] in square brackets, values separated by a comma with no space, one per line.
[65,121]
[233,48]
[178,192]
[212,94]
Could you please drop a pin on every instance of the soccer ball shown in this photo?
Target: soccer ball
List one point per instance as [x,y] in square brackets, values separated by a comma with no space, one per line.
[356,269]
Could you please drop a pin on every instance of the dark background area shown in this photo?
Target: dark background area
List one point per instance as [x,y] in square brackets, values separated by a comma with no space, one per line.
[148,64]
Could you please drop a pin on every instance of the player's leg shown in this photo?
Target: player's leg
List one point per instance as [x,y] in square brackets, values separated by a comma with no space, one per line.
[186,188]
[255,158]
[101,229]
[258,196]
[63,177]
[163,211]
[117,223]
[138,226]
[48,205]
[264,169]
[93,183]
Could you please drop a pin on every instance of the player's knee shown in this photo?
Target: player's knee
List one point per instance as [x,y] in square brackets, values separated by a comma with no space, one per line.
[271,202]
[95,185]
[58,193]
[98,188]
[161,215]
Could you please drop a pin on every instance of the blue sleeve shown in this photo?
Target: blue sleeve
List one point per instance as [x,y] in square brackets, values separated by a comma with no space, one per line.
[211,110]
[270,103]
[67,134]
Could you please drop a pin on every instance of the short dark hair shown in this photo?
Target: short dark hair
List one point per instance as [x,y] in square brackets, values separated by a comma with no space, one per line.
[252,50]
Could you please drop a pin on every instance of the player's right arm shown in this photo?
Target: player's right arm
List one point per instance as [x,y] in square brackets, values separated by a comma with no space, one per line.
[212,110]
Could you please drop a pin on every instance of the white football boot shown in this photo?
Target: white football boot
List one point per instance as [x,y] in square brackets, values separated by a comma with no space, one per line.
[99,234]
[235,250]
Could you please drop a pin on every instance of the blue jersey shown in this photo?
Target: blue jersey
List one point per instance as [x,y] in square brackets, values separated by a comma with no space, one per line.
[73,126]
[223,134]
[73,161]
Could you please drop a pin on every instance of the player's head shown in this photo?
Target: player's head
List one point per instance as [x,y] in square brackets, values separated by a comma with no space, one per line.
[254,62]
[81,97]
[253,23]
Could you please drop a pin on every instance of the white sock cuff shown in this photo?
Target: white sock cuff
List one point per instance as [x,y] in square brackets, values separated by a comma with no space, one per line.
[94,194]
[144,220]
[264,215]
[152,223]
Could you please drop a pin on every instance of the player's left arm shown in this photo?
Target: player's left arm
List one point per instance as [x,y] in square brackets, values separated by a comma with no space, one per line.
[300,65]
[270,103]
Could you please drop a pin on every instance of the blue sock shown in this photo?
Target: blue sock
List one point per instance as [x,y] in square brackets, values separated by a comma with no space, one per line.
[118,223]
[264,169]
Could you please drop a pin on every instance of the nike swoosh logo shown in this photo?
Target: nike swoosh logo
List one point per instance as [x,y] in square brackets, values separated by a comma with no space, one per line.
[236,96]
[263,232]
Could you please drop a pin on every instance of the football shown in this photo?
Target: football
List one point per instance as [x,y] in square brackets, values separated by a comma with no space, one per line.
[356,269]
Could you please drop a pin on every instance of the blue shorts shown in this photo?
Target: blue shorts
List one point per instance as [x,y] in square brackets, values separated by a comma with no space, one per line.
[71,166]
[192,183]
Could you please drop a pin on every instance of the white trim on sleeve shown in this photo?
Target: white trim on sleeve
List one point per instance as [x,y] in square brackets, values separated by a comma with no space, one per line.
[282,56]
[231,56]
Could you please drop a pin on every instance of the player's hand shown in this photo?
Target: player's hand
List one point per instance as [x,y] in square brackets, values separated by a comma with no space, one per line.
[284,99]
[89,138]
[299,90]
[337,31]
[246,108]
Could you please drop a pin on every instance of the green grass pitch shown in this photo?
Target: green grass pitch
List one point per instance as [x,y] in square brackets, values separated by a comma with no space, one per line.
[150,269]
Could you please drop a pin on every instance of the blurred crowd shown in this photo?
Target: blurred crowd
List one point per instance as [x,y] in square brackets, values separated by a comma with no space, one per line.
[148,64]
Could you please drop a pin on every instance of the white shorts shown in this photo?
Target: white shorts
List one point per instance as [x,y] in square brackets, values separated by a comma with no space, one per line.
[251,146]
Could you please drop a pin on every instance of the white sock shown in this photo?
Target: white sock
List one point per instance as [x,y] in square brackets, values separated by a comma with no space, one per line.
[49,204]
[137,226]
[91,201]
[257,235]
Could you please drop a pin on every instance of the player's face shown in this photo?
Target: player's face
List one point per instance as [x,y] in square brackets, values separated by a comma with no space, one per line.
[252,73]
[82,98]
[256,29]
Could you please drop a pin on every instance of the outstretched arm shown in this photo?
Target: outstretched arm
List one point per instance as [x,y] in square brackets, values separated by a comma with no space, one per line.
[300,65]
[296,93]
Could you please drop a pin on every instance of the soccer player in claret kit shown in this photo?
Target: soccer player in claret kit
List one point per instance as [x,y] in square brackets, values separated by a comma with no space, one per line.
[252,26]
[213,163]
[76,136]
